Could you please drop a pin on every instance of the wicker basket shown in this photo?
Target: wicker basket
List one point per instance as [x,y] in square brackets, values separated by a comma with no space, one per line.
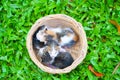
[78,51]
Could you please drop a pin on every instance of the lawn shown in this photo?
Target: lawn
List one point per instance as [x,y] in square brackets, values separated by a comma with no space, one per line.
[17,17]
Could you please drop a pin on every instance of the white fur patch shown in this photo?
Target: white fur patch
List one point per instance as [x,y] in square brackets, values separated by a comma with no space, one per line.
[66,39]
[41,51]
[40,36]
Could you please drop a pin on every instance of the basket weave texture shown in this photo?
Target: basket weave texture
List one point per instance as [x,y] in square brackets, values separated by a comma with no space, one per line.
[78,51]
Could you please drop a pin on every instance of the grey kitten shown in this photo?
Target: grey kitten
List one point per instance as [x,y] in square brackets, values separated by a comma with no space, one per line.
[63,60]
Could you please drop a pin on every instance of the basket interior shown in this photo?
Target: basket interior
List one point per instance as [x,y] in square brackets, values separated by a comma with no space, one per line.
[75,50]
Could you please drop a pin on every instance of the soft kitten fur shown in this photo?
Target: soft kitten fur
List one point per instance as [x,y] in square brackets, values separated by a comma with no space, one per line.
[36,43]
[41,34]
[65,37]
[55,56]
[62,60]
[49,42]
[68,38]
[53,48]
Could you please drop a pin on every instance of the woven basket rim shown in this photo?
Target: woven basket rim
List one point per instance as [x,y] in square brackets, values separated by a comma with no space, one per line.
[31,51]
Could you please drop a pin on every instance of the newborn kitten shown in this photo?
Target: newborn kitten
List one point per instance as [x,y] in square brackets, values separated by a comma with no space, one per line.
[53,32]
[54,56]
[62,60]
[36,43]
[68,38]
[50,50]
[41,34]
[46,60]
[53,48]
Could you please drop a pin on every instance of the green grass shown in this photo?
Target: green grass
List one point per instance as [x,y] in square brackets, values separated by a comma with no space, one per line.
[17,16]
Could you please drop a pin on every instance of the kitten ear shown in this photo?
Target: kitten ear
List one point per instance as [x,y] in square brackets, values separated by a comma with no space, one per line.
[41,27]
